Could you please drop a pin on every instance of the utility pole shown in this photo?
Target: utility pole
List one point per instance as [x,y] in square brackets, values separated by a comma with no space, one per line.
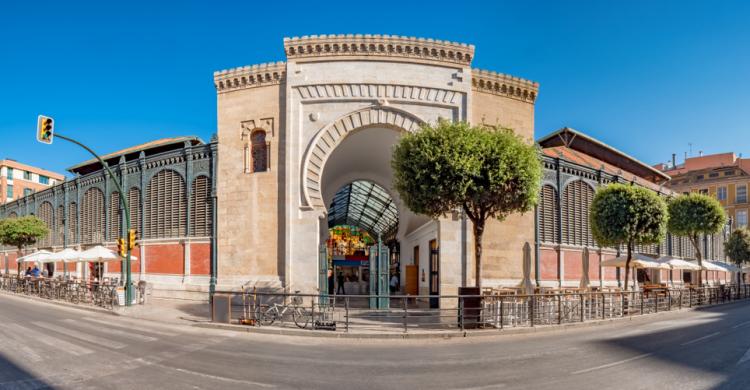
[45,134]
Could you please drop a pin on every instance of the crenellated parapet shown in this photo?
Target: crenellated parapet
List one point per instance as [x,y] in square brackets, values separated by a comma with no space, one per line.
[504,85]
[250,76]
[388,46]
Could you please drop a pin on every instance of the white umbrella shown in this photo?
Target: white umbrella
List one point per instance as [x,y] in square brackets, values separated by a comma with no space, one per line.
[36,257]
[66,255]
[727,267]
[679,264]
[639,260]
[709,266]
[585,282]
[99,254]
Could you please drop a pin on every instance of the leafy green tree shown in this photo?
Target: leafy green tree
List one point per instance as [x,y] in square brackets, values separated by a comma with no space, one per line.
[628,215]
[694,215]
[486,172]
[737,248]
[21,232]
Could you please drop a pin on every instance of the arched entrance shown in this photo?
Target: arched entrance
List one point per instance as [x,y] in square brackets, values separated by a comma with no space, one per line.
[356,187]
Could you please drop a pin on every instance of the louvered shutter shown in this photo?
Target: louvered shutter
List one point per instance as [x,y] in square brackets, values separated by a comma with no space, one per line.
[115,228]
[548,214]
[72,223]
[200,202]
[166,206]
[46,215]
[59,227]
[134,204]
[92,216]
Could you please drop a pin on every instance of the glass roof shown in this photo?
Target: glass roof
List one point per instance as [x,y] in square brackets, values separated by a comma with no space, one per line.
[367,205]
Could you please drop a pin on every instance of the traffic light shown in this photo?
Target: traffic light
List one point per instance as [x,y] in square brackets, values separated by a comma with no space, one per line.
[121,248]
[131,238]
[45,129]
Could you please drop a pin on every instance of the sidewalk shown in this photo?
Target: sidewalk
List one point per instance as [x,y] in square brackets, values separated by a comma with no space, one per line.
[174,311]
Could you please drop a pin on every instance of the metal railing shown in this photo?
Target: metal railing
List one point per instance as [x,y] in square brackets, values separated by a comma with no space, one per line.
[74,291]
[408,313]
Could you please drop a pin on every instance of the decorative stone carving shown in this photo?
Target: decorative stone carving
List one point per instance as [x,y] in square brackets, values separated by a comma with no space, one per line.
[389,46]
[330,136]
[250,76]
[345,91]
[504,85]
[265,124]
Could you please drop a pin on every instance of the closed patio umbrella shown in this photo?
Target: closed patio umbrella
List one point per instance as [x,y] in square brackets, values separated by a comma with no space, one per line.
[526,284]
[585,282]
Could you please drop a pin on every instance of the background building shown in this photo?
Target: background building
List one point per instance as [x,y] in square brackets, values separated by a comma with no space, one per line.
[724,176]
[18,180]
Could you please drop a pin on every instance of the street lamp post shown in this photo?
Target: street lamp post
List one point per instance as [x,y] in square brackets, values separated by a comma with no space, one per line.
[124,202]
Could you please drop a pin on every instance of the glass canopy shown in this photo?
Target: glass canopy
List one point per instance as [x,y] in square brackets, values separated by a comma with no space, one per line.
[366,205]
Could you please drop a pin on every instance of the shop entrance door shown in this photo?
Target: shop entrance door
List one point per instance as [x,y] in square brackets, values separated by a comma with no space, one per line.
[434,275]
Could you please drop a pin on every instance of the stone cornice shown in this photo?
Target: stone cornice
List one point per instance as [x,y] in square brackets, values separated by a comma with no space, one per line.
[388,46]
[504,85]
[250,76]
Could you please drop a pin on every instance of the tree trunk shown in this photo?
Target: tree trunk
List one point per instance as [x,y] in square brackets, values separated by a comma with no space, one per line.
[699,256]
[478,231]
[627,264]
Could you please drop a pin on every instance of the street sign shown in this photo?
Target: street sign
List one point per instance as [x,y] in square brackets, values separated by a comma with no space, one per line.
[45,129]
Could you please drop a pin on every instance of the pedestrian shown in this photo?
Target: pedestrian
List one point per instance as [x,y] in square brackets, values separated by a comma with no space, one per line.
[340,280]
[28,272]
[35,272]
[331,282]
[394,283]
[45,273]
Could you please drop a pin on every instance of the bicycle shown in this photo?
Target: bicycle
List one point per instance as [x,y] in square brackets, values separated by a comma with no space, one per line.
[300,316]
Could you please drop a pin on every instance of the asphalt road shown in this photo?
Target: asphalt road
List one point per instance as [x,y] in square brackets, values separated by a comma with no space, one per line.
[43,345]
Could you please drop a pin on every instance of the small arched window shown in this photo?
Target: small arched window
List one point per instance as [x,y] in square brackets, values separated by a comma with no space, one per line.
[259,151]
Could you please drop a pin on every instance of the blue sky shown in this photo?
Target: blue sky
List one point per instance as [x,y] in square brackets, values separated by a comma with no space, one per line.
[646,77]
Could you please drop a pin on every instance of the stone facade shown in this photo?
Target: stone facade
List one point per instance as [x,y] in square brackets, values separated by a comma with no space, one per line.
[336,107]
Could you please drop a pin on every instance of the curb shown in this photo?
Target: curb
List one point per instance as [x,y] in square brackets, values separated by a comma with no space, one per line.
[454,334]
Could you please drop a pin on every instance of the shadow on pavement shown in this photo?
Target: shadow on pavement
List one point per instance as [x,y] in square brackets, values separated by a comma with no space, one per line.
[714,343]
[13,376]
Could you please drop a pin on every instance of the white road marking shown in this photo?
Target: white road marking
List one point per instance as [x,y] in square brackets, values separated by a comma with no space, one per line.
[19,344]
[699,339]
[54,342]
[612,364]
[744,357]
[741,325]
[139,329]
[148,362]
[81,336]
[116,332]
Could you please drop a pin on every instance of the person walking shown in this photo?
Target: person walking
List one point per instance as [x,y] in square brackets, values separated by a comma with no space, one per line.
[331,281]
[394,283]
[340,281]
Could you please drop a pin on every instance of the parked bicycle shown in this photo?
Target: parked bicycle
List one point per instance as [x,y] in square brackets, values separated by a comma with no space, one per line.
[277,312]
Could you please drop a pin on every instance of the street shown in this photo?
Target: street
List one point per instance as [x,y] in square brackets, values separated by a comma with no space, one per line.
[43,345]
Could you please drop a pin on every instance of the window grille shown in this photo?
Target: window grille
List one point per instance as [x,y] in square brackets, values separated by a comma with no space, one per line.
[59,225]
[576,202]
[259,151]
[200,207]
[115,228]
[92,216]
[134,204]
[548,227]
[165,206]
[46,214]
[72,223]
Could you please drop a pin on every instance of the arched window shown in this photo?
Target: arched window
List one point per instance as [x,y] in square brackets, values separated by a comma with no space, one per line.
[72,223]
[576,202]
[259,151]
[200,207]
[46,214]
[547,209]
[92,216]
[166,206]
[115,229]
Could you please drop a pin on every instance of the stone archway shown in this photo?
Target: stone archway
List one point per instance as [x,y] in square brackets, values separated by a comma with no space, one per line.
[330,137]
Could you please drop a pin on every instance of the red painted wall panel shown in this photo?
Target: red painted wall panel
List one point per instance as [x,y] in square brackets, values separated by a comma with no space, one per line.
[165,259]
[573,265]
[200,259]
[548,264]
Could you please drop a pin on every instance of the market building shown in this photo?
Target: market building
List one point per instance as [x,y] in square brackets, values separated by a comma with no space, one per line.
[296,186]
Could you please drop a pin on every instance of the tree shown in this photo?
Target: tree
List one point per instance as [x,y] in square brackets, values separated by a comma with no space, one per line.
[737,248]
[486,172]
[21,232]
[627,215]
[693,215]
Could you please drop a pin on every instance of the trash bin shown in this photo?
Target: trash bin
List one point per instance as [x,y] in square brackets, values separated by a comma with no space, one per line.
[470,307]
[221,308]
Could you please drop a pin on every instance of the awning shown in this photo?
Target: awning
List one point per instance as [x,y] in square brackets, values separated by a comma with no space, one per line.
[676,263]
